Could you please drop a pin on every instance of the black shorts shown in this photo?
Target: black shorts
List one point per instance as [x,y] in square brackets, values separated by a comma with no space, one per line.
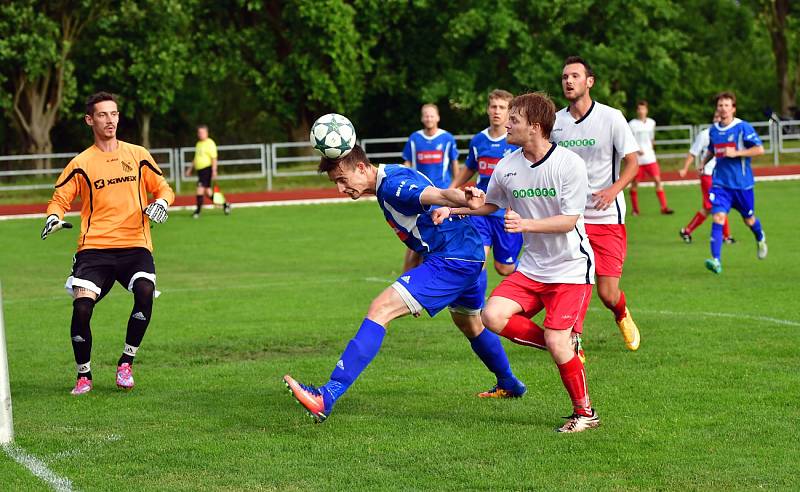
[204,177]
[98,269]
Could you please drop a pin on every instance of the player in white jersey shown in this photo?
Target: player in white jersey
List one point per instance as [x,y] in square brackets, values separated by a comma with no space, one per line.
[644,130]
[601,136]
[698,148]
[544,189]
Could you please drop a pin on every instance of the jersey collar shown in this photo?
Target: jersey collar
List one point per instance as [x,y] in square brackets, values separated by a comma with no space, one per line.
[381,175]
[436,135]
[541,161]
[733,123]
[584,116]
[489,137]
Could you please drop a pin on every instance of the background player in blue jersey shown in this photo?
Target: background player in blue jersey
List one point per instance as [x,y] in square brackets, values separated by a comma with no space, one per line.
[448,276]
[733,142]
[485,151]
[433,152]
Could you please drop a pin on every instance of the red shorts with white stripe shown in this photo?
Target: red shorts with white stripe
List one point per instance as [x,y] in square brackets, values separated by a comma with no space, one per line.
[565,305]
[645,170]
[610,245]
[705,186]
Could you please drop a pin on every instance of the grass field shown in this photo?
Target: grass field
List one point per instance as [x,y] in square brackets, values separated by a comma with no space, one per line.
[709,402]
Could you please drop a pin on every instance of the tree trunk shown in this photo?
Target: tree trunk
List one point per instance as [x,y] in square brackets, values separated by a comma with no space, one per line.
[776,12]
[144,128]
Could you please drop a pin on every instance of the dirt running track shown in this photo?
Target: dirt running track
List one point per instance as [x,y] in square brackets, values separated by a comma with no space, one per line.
[317,193]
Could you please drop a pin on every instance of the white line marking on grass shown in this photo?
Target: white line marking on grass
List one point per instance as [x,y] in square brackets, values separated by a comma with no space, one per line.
[710,314]
[379,280]
[38,468]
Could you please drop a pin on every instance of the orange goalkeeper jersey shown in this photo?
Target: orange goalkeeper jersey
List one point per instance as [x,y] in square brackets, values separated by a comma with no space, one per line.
[113,187]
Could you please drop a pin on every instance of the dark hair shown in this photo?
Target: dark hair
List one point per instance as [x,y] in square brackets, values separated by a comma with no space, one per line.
[351,160]
[642,102]
[501,94]
[99,97]
[538,109]
[577,59]
[725,95]
[203,126]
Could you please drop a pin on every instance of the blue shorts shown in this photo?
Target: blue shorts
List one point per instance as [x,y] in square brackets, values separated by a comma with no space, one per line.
[505,246]
[723,199]
[439,283]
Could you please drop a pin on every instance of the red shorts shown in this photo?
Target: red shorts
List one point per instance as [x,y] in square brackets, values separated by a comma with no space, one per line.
[651,170]
[609,243]
[705,186]
[565,305]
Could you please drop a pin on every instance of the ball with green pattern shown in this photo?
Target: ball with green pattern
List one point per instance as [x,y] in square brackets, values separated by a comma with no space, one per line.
[333,136]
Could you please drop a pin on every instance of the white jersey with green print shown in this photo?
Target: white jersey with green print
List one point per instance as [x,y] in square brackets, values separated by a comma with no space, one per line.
[555,185]
[602,138]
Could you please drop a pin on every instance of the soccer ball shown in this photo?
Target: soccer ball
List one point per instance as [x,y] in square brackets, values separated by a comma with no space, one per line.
[333,136]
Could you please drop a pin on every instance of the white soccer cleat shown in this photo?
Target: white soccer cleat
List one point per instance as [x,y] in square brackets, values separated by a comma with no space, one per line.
[579,423]
[761,252]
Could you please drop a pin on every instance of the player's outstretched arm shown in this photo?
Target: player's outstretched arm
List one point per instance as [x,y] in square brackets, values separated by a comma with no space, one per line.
[556,224]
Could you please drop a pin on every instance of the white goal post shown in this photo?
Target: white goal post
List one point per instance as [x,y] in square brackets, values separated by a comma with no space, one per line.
[6,422]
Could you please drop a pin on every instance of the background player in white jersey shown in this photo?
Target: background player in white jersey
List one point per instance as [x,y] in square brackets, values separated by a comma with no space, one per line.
[601,136]
[644,130]
[544,189]
[485,151]
[433,152]
[698,149]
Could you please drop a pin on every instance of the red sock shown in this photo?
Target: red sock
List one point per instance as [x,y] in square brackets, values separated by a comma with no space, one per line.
[695,222]
[523,331]
[635,200]
[619,309]
[662,198]
[726,229]
[573,375]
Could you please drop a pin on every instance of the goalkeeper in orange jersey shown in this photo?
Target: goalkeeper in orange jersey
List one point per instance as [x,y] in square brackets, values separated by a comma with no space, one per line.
[113,179]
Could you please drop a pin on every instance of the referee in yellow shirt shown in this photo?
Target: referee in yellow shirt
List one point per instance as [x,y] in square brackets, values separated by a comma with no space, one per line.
[205,163]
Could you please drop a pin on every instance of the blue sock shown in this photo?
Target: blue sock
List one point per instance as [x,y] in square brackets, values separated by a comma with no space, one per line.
[483,281]
[489,349]
[716,240]
[756,228]
[355,358]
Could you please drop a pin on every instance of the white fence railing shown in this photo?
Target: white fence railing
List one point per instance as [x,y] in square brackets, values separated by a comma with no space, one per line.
[285,159]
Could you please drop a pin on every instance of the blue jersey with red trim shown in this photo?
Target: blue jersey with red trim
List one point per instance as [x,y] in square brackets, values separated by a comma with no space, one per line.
[398,191]
[432,156]
[732,172]
[484,154]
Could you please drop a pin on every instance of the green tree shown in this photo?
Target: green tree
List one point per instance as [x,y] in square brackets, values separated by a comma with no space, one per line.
[36,71]
[143,50]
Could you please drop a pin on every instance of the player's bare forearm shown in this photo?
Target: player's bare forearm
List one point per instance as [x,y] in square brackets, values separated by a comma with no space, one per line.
[449,197]
[462,177]
[486,209]
[558,224]
[751,152]
[407,163]
[629,172]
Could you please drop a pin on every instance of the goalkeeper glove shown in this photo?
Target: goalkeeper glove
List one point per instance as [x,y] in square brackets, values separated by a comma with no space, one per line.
[53,224]
[157,211]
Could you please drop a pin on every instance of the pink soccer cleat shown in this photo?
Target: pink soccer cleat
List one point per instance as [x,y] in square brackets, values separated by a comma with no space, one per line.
[82,386]
[125,377]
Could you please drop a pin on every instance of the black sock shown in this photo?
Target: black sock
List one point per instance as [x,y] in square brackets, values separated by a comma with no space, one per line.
[199,199]
[81,333]
[143,290]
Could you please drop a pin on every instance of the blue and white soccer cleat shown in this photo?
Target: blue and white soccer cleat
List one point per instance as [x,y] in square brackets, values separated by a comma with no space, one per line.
[714,265]
[309,397]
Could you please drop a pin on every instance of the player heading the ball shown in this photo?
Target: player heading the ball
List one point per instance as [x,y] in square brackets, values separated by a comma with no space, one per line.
[447,278]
